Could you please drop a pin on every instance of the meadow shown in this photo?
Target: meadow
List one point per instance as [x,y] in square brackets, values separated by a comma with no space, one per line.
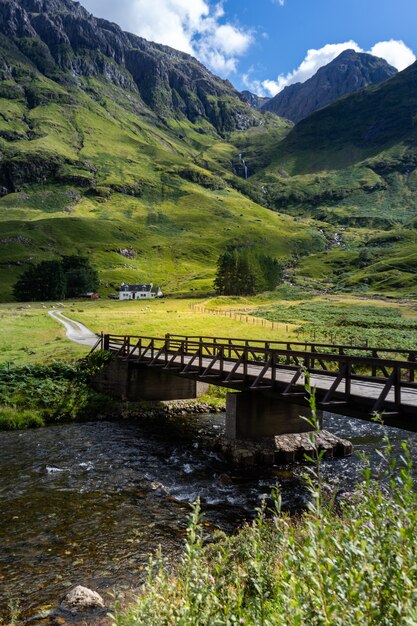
[29,335]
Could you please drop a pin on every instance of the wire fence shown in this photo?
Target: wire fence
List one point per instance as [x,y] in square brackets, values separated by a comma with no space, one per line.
[242,317]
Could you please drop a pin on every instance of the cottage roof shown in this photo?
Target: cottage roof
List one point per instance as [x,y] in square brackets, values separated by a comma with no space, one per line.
[143,288]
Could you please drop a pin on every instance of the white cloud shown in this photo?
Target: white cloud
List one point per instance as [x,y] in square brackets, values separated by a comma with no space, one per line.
[395,52]
[197,27]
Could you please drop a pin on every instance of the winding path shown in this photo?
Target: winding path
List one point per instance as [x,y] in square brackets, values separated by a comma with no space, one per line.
[76,331]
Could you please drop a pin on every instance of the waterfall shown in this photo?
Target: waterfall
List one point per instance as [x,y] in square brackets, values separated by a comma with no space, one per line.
[243,163]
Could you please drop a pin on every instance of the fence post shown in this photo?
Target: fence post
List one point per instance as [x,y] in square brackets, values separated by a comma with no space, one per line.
[106,342]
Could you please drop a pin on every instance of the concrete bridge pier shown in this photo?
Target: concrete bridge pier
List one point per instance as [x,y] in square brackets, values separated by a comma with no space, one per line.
[127,380]
[259,414]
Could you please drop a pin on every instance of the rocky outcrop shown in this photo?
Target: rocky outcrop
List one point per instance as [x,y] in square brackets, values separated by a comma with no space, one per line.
[66,42]
[14,21]
[344,75]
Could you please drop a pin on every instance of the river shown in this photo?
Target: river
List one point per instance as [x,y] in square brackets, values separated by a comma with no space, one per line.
[88,503]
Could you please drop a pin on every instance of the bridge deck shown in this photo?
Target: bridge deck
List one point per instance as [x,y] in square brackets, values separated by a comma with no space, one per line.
[348,380]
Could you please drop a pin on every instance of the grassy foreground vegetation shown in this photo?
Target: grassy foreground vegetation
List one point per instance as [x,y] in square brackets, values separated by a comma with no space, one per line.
[341,563]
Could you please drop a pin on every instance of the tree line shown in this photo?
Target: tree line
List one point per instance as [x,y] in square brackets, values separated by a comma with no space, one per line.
[67,277]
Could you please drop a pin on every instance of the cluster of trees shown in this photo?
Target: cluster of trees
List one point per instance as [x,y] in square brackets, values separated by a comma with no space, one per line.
[55,280]
[242,271]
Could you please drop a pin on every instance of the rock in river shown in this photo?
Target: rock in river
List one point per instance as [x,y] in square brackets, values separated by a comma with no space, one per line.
[82,599]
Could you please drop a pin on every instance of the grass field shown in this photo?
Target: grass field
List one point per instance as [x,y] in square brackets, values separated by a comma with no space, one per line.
[29,335]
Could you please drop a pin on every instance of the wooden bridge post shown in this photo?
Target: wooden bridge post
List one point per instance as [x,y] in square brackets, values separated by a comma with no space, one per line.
[374,369]
[411,357]
[397,388]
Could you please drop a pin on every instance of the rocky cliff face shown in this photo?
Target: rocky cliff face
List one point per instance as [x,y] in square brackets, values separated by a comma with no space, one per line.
[65,42]
[256,102]
[346,74]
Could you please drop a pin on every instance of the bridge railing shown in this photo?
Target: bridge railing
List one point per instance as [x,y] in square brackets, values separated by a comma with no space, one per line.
[366,363]
[234,362]
[328,348]
[288,351]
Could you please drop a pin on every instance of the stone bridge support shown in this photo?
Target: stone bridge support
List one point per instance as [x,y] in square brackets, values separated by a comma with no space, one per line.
[259,414]
[132,381]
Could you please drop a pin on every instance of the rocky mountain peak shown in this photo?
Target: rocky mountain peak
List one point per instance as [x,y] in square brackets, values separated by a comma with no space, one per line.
[344,75]
[256,102]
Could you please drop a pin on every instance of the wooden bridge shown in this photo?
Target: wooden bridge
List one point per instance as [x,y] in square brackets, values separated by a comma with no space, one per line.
[350,380]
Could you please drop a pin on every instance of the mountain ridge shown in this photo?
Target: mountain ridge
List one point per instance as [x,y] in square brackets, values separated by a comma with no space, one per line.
[347,73]
[60,36]
[92,164]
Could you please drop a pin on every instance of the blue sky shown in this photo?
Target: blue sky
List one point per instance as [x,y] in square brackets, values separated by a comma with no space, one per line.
[265,45]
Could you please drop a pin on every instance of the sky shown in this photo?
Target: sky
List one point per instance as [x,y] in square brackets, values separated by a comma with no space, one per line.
[265,45]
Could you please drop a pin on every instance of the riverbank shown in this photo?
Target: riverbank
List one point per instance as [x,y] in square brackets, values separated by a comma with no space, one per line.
[38,395]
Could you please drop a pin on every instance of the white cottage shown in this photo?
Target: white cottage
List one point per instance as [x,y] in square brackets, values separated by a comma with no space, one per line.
[139,292]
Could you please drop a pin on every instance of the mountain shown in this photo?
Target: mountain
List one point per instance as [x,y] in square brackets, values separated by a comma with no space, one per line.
[136,156]
[117,149]
[256,102]
[344,75]
[64,42]
[352,166]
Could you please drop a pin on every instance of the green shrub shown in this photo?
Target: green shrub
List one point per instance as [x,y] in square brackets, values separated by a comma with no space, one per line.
[37,395]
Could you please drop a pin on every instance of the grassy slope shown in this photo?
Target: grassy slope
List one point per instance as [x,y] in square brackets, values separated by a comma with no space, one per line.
[352,166]
[119,178]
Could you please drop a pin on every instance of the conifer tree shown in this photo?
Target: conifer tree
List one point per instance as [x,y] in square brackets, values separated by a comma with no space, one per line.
[241,271]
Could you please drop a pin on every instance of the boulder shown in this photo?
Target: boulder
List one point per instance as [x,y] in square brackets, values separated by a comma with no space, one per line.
[81,599]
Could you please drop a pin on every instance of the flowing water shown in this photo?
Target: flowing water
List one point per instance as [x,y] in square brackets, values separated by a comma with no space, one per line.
[88,503]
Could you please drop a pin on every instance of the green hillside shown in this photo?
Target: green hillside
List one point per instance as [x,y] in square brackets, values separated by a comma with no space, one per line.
[92,170]
[353,167]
